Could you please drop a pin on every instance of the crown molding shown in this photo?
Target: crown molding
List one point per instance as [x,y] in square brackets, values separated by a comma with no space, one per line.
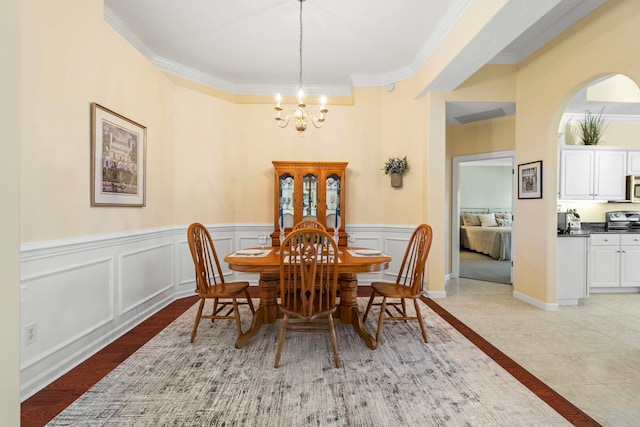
[608,118]
[444,26]
[111,19]
[196,76]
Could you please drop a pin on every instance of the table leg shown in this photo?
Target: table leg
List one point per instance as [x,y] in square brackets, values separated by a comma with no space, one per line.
[349,312]
[267,311]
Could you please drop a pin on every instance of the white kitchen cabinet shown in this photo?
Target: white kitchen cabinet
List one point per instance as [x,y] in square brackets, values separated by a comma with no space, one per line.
[571,270]
[614,261]
[629,260]
[604,261]
[633,162]
[592,174]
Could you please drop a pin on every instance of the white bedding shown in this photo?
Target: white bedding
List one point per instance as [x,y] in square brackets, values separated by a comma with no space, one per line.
[492,241]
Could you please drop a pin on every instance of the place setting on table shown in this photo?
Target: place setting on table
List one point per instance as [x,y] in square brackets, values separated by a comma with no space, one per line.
[266,262]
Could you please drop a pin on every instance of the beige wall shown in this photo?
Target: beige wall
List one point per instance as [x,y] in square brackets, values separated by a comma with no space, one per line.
[482,137]
[546,82]
[10,16]
[208,158]
[71,58]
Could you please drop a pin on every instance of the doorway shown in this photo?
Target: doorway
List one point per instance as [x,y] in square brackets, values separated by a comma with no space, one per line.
[479,188]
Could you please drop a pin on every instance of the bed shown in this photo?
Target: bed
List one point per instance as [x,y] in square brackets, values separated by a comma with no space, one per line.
[487,231]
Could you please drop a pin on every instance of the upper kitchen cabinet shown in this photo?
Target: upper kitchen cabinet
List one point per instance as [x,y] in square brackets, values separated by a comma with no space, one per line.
[633,162]
[592,173]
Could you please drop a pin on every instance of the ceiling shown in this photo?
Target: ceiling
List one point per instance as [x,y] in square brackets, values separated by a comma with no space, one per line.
[252,46]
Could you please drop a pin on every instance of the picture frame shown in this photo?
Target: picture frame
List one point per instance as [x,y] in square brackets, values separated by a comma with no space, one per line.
[530,180]
[118,159]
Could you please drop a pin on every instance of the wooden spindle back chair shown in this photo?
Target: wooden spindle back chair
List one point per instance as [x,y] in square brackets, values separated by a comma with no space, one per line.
[408,284]
[308,285]
[309,223]
[210,282]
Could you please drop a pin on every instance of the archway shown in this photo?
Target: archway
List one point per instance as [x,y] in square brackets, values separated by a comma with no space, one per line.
[616,98]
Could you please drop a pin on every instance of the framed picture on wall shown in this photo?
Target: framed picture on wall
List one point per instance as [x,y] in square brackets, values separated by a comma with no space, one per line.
[118,159]
[530,180]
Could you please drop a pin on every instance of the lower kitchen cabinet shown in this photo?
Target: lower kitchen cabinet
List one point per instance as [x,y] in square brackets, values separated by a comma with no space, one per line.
[614,261]
[571,270]
[630,260]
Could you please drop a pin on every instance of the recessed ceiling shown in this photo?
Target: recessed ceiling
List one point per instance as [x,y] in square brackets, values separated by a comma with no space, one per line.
[251,46]
[615,95]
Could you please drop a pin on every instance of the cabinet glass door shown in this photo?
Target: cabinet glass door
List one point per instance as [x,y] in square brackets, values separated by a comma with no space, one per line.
[287,200]
[332,207]
[310,197]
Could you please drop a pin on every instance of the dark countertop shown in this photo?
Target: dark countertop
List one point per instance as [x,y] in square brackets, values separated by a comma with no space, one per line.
[589,228]
[586,229]
[578,233]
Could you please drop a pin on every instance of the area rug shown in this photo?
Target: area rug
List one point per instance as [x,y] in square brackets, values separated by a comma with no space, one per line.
[171,382]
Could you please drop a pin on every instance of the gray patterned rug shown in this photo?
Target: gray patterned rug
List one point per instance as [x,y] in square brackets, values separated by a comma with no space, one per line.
[170,382]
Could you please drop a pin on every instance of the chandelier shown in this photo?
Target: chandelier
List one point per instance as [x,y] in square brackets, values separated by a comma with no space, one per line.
[300,116]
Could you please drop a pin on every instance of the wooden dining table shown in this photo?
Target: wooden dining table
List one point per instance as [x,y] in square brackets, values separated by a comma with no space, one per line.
[351,263]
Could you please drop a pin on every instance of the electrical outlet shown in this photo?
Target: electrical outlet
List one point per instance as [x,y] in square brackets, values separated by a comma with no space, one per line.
[30,334]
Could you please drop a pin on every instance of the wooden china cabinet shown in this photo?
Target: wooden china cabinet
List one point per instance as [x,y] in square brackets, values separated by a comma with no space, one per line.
[309,190]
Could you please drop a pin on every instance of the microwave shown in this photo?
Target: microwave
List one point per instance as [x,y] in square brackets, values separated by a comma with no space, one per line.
[633,188]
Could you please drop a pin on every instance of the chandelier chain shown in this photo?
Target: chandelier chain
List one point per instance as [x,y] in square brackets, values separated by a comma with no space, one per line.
[300,77]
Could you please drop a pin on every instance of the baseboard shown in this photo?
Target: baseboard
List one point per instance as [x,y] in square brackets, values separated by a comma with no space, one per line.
[536,303]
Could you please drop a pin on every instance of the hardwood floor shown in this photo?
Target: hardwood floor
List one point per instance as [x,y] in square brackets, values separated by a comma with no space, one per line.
[573,414]
[42,407]
[46,404]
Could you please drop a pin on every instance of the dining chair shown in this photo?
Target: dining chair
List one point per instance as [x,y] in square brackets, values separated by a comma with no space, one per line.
[210,282]
[308,286]
[408,284]
[309,223]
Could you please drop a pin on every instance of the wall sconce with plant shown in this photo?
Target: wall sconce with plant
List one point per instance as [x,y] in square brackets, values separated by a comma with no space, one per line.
[395,167]
[590,129]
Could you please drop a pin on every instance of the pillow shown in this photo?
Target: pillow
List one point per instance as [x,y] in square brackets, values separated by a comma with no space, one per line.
[503,222]
[488,220]
[471,220]
[503,216]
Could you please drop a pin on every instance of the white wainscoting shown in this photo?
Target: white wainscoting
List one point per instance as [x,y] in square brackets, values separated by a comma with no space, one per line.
[83,293]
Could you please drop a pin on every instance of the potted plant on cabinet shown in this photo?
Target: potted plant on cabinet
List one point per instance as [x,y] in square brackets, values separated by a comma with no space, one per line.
[591,128]
[395,167]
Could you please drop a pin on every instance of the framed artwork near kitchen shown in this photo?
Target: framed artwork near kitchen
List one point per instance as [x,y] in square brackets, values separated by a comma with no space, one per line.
[530,180]
[118,159]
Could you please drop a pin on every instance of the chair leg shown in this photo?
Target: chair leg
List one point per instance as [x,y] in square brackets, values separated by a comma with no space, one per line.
[420,321]
[215,309]
[366,312]
[404,308]
[334,344]
[383,307]
[236,315]
[283,330]
[246,292]
[198,315]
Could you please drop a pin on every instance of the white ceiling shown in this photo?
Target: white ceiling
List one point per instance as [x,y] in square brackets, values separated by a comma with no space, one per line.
[252,46]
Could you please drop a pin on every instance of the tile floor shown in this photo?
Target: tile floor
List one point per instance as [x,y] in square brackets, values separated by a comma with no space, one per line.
[590,353]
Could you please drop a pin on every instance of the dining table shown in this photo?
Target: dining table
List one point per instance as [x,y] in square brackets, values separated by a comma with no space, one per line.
[266,262]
